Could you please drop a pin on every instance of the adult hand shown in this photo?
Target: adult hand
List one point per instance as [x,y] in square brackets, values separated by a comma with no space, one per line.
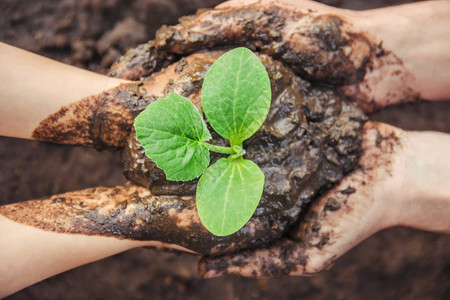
[402,180]
[359,51]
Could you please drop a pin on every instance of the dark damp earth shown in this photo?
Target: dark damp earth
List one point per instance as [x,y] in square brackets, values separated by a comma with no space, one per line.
[397,263]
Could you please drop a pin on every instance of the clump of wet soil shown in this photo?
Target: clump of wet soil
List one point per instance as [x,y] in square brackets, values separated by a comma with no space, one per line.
[308,142]
[395,264]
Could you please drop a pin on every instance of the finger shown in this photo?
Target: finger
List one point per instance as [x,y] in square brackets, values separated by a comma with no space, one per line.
[282,258]
[353,210]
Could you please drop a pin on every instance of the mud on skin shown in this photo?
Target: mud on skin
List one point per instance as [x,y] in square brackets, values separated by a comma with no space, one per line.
[308,142]
[99,121]
[141,61]
[305,42]
[130,212]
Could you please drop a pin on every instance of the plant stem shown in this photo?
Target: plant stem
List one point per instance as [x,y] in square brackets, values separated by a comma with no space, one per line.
[220,149]
[238,150]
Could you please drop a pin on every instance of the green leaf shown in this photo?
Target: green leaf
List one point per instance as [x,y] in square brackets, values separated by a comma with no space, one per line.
[228,193]
[236,95]
[172,132]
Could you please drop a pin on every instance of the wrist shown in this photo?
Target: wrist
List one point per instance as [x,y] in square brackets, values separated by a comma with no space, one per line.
[426,198]
[417,35]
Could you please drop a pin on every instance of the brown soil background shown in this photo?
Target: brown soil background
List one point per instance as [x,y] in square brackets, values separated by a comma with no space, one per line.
[398,263]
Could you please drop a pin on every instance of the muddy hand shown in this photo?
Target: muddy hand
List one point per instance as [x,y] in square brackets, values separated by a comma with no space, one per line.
[402,180]
[356,50]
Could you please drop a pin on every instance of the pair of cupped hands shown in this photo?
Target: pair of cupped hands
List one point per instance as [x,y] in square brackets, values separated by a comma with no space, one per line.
[401,176]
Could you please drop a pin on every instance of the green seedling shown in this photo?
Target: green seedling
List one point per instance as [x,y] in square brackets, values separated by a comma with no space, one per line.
[236,100]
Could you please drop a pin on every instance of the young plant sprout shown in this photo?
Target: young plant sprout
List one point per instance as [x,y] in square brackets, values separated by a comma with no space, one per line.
[236,99]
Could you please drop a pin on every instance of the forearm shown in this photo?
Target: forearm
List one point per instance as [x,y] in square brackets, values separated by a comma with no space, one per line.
[29,255]
[417,34]
[41,238]
[33,87]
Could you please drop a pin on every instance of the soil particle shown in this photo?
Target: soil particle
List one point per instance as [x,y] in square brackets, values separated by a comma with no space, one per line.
[349,190]
[332,204]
